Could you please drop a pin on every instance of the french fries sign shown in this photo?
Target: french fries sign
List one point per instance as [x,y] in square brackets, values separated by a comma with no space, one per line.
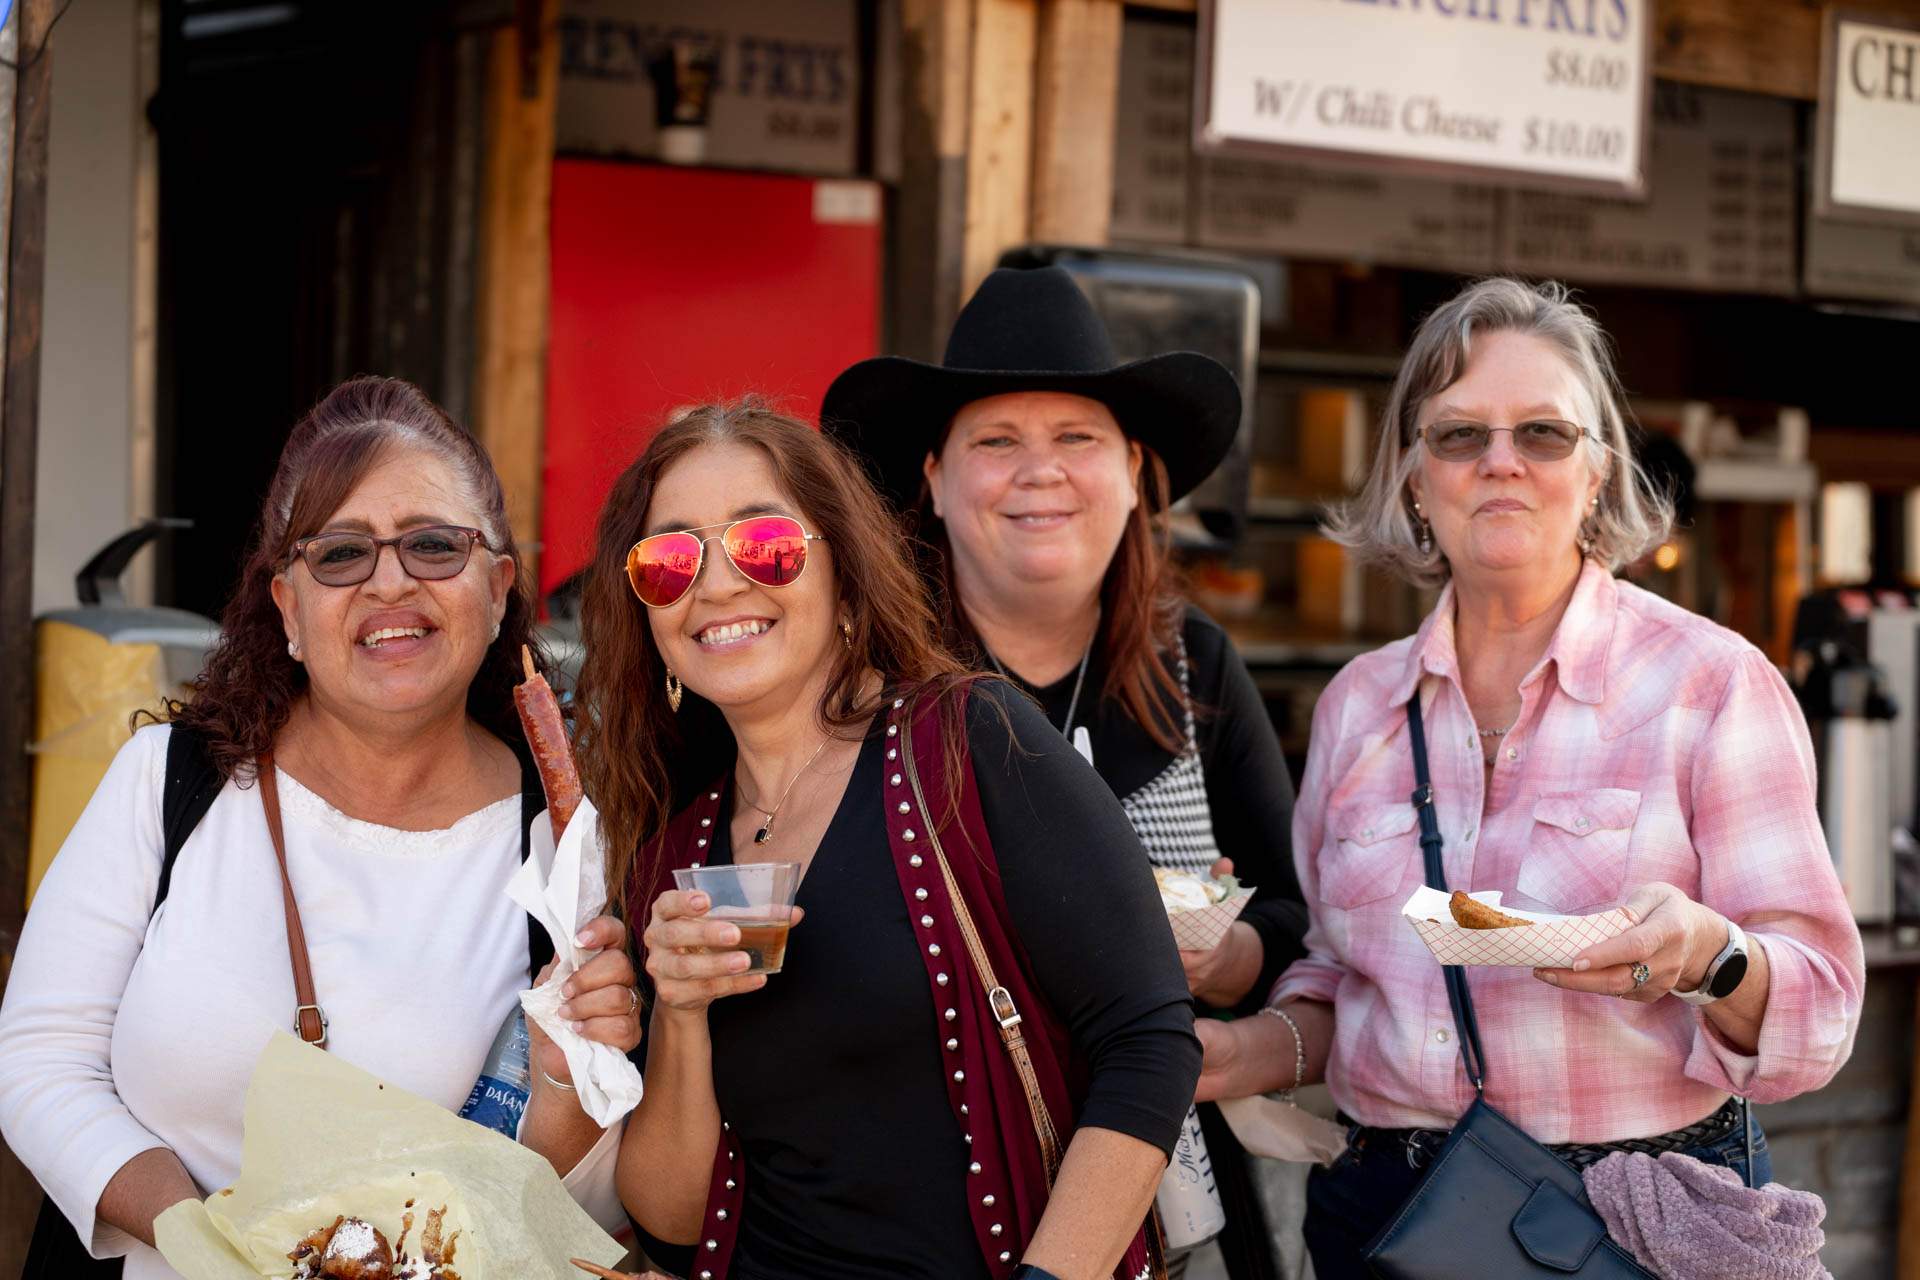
[1529,92]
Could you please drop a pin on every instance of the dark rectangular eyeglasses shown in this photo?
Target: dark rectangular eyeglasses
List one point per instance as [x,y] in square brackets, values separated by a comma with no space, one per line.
[348,559]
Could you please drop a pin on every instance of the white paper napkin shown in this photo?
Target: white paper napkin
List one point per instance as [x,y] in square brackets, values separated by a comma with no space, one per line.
[563,888]
[1269,1127]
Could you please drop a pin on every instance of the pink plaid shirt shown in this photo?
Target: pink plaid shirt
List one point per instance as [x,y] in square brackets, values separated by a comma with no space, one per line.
[1651,745]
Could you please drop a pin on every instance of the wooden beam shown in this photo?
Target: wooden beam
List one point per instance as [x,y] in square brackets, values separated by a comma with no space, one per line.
[928,230]
[1000,133]
[1075,96]
[19,449]
[510,365]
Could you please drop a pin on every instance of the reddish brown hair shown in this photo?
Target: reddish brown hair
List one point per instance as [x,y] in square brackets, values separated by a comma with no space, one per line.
[248,687]
[641,761]
[1143,606]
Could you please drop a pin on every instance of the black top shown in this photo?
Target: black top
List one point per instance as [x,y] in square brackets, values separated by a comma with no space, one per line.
[1248,789]
[831,1075]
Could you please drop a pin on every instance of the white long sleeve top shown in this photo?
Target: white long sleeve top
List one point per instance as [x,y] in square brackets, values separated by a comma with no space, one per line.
[121,1033]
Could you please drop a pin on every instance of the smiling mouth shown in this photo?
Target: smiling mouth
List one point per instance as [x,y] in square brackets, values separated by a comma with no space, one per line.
[732,632]
[1040,517]
[374,639]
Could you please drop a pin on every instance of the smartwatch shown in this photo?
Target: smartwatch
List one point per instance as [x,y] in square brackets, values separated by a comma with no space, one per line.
[1724,973]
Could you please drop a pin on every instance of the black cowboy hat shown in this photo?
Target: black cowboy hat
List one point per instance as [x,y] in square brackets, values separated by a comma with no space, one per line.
[1032,331]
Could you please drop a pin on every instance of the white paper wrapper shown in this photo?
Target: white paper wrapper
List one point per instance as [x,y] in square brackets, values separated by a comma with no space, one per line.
[563,888]
[1551,942]
[325,1138]
[1269,1127]
[1201,929]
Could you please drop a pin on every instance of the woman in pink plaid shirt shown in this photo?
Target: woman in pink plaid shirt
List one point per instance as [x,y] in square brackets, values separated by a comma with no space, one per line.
[1590,745]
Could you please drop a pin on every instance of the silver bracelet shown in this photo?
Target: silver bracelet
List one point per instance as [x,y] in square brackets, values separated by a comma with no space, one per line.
[1299,1051]
[570,1089]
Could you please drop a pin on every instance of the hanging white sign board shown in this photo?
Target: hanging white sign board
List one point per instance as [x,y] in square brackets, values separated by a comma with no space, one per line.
[1549,93]
[1867,162]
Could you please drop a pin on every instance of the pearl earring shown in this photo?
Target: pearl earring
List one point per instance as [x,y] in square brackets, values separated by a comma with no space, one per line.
[496,631]
[293,650]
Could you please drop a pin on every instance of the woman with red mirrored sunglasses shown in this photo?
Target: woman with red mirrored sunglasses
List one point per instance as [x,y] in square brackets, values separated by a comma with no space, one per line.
[762,684]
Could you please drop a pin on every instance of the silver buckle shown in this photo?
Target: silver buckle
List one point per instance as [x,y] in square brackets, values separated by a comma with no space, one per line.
[1003,1009]
[299,1009]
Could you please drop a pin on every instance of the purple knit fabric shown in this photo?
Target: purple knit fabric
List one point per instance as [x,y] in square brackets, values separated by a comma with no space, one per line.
[1687,1220]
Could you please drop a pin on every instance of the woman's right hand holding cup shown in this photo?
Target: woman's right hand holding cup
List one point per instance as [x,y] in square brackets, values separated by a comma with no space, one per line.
[692,959]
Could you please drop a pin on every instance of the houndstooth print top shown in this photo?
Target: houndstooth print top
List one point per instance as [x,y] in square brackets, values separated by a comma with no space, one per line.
[1170,813]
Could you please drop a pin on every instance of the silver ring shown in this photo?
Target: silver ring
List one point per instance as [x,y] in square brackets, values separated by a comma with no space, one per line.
[634,994]
[1640,975]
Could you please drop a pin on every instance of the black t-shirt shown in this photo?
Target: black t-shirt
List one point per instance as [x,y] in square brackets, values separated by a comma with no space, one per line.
[1249,792]
[831,1075]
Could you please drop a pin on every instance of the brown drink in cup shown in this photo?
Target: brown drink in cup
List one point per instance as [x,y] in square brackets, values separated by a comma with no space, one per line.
[754,897]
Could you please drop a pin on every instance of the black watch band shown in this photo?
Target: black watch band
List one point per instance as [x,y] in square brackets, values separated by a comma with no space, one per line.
[1027,1271]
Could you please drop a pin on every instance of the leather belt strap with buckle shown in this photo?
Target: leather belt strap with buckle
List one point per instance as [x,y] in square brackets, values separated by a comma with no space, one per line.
[1421,1145]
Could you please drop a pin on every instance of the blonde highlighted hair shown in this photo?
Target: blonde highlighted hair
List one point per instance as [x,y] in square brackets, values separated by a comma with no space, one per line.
[1378,524]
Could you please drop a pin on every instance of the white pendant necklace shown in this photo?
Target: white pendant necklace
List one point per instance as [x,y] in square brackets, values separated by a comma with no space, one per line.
[765,833]
[1081,739]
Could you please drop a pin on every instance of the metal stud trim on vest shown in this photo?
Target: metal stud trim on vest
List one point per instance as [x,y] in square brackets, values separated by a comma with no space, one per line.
[893,731]
[893,753]
[926,922]
[974,1167]
[919,895]
[987,1201]
[953,1046]
[940,978]
[894,781]
[914,862]
[933,949]
[950,1016]
[722,1215]
[907,808]
[907,835]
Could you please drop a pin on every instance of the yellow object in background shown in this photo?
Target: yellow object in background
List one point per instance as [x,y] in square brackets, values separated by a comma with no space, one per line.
[88,689]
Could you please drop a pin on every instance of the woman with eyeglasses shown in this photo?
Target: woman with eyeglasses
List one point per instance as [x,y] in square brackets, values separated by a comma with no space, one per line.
[1589,746]
[761,685]
[1035,470]
[365,669]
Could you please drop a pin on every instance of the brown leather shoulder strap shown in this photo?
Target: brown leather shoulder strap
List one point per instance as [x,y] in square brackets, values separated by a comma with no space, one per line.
[308,1020]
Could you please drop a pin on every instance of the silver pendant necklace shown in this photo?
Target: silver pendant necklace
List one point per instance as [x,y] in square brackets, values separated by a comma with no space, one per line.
[1073,703]
[765,833]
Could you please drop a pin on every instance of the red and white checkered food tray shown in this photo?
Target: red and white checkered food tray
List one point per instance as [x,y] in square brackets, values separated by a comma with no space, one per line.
[1551,942]
[1201,928]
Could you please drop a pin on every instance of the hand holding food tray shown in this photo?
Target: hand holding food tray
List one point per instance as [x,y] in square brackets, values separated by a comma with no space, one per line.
[1200,909]
[1475,929]
[332,1155]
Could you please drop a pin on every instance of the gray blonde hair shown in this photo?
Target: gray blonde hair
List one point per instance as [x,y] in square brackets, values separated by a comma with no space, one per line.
[1378,524]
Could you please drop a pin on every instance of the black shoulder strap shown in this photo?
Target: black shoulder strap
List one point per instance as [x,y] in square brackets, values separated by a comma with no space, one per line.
[192,782]
[533,802]
[1464,1021]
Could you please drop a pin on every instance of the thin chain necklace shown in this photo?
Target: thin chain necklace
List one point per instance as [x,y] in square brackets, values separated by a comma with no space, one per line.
[765,833]
[1073,703]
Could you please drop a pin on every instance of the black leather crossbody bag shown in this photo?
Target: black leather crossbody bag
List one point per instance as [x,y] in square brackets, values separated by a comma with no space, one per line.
[1495,1204]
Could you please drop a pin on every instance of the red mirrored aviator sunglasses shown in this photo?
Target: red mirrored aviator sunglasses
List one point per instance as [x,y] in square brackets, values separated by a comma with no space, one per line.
[769,550]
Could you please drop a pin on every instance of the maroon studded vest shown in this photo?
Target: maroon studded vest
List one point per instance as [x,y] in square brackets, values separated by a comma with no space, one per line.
[1006,1179]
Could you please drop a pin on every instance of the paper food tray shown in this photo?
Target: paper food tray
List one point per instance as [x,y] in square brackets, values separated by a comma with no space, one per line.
[1551,942]
[1202,929]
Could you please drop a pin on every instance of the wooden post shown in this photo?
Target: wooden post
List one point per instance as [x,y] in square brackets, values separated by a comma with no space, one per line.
[999,134]
[510,366]
[19,447]
[930,217]
[1076,93]
[25,185]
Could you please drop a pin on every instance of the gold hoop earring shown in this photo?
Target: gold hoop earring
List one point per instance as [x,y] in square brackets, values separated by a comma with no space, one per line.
[675,690]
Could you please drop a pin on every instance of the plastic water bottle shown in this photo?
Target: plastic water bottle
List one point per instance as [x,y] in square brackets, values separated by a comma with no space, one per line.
[1189,1203]
[499,1096]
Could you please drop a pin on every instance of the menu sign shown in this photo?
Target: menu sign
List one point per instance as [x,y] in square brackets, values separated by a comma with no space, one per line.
[1152,124]
[785,79]
[1543,92]
[1330,213]
[1868,158]
[1719,213]
[1849,260]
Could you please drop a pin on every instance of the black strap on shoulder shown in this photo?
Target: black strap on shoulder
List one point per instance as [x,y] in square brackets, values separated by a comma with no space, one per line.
[192,782]
[533,802]
[1464,1021]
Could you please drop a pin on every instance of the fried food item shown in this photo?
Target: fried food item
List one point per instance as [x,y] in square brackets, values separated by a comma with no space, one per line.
[353,1249]
[546,731]
[1469,914]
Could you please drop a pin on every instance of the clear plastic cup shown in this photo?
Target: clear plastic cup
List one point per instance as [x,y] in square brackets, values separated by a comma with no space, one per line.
[755,897]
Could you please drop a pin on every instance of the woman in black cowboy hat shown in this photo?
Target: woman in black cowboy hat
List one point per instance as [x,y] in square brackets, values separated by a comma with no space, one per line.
[1036,470]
